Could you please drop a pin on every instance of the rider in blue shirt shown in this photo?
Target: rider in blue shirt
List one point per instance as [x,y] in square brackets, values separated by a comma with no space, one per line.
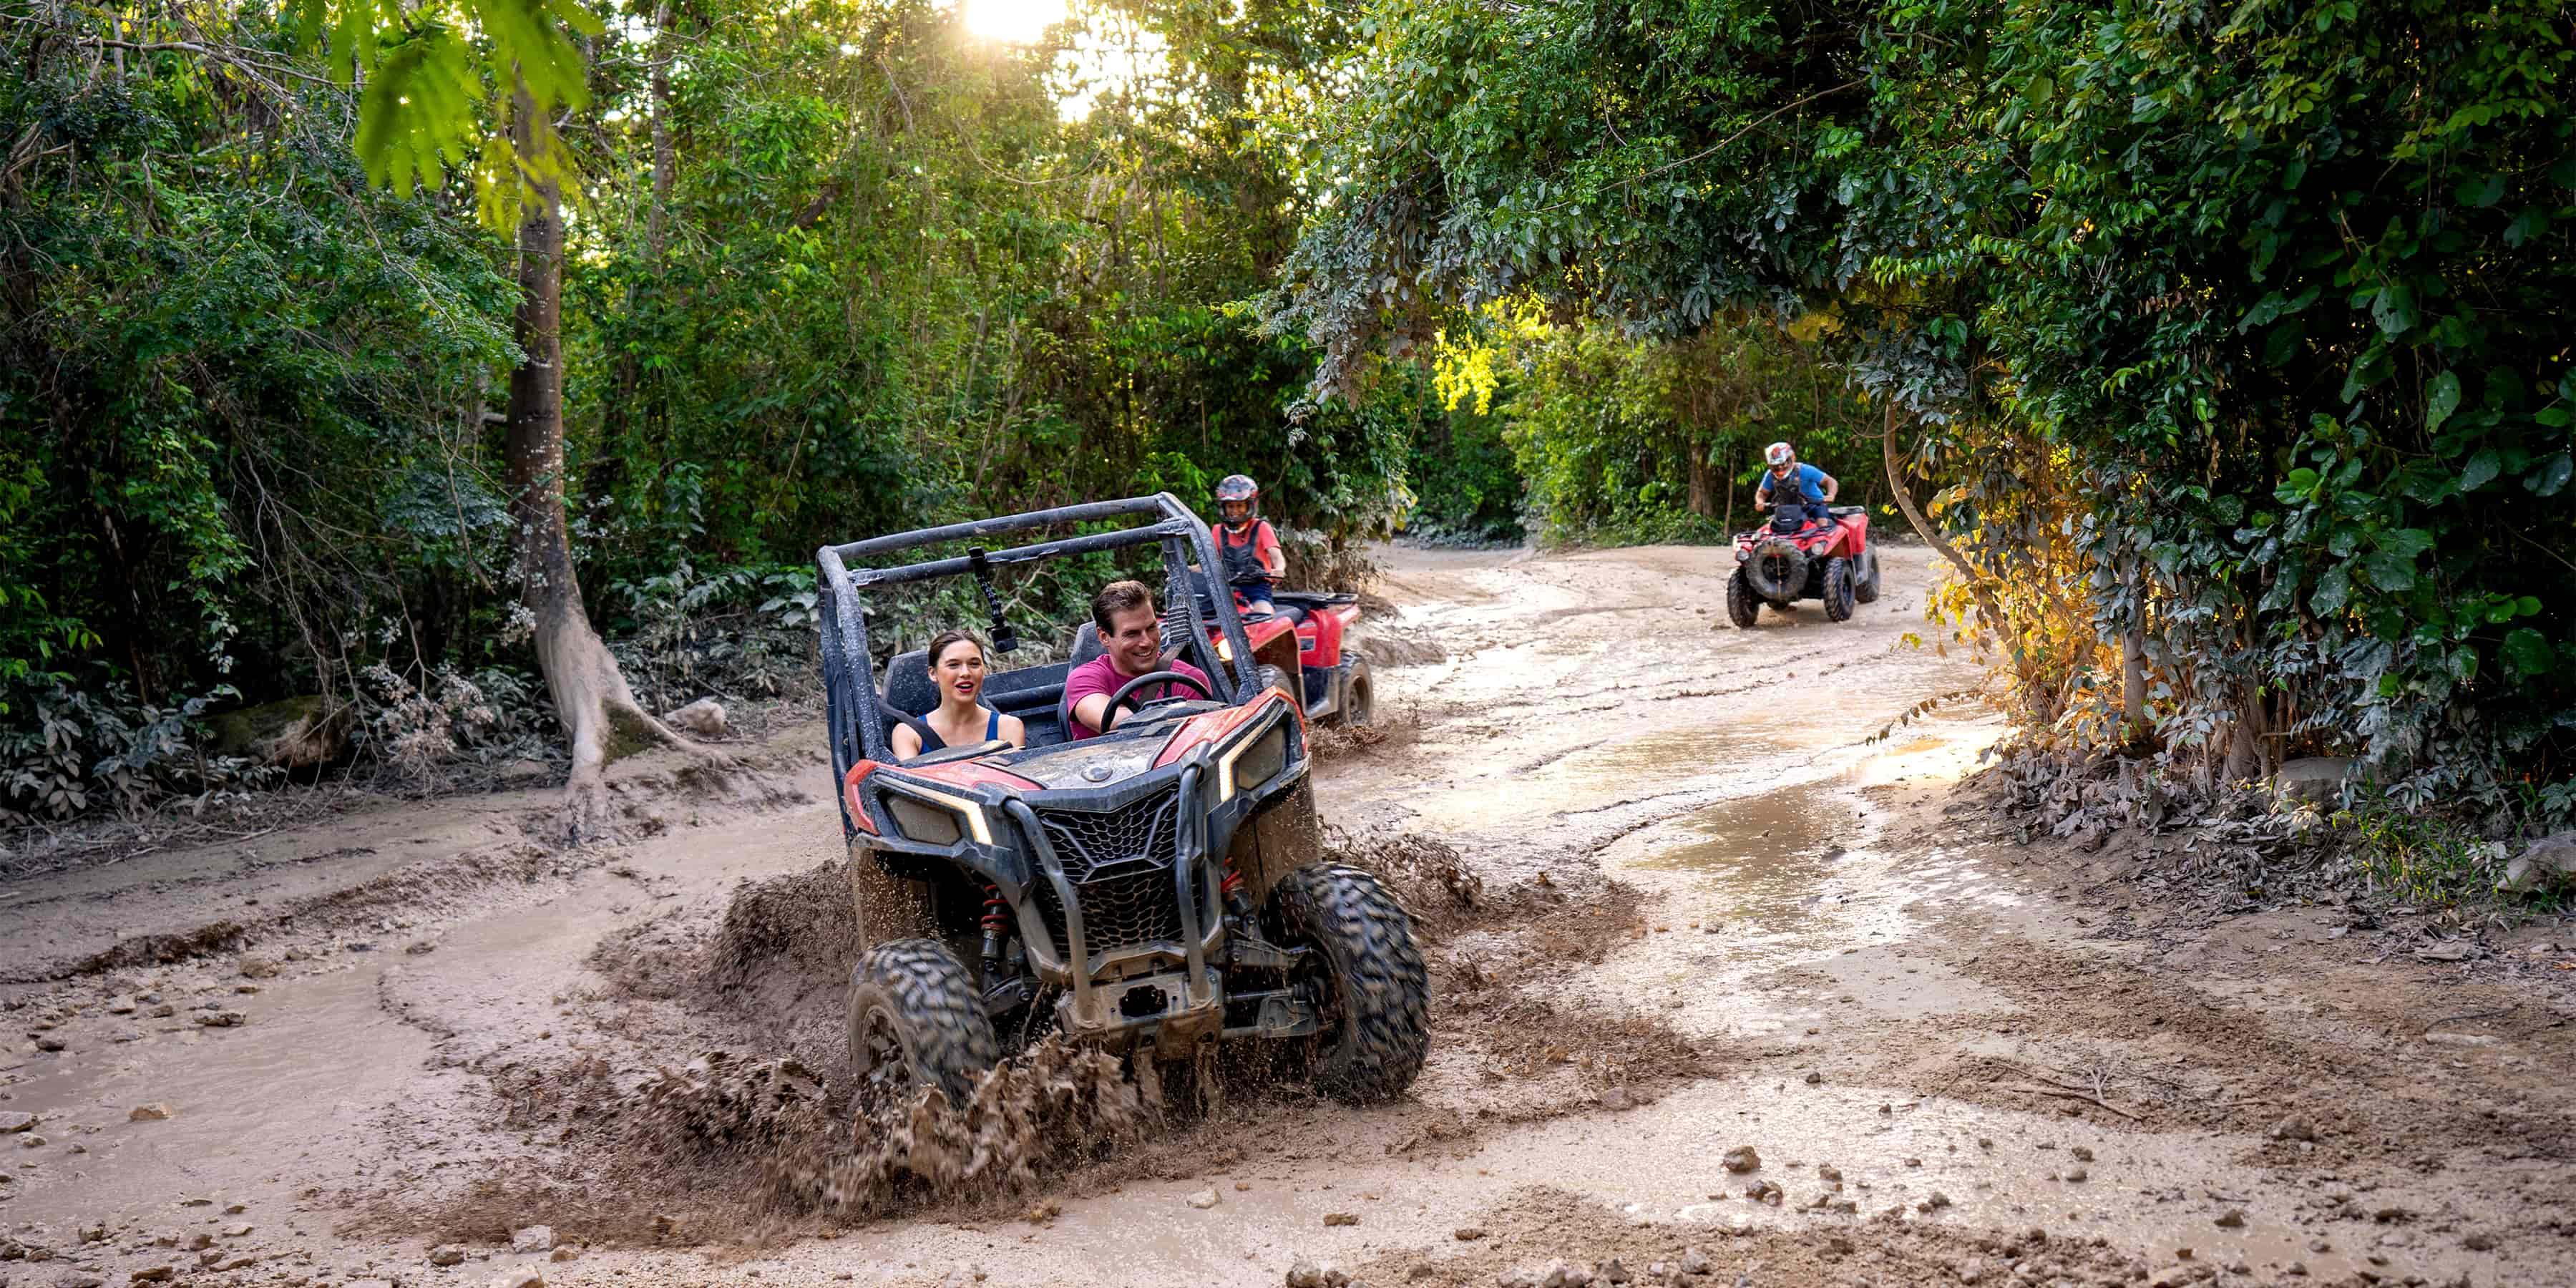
[1809,490]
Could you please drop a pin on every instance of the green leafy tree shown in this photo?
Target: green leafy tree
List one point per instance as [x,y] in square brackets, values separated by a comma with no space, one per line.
[2224,336]
[484,79]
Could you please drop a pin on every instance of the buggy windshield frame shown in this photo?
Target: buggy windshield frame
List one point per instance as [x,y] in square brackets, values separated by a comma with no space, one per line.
[855,727]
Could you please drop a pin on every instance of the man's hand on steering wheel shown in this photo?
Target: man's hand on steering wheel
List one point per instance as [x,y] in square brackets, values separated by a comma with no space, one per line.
[1125,696]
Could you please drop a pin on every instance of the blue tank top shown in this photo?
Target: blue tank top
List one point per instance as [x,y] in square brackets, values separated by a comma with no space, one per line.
[931,741]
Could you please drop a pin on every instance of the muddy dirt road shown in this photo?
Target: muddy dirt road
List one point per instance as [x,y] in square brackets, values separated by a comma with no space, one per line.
[1696,908]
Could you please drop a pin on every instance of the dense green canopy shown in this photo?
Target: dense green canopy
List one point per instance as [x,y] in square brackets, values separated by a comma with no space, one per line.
[2240,331]
[2224,346]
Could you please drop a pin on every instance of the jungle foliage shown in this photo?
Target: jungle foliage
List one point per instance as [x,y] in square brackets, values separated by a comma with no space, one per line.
[832,268]
[2233,337]
[2225,345]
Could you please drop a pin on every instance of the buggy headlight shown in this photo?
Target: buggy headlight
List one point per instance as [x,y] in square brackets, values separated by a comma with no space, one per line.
[1252,762]
[938,824]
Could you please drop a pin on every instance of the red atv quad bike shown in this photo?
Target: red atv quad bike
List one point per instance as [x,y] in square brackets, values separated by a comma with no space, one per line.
[1158,889]
[1304,637]
[1785,561]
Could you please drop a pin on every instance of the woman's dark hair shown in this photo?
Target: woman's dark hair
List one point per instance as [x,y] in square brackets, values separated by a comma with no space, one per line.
[946,638]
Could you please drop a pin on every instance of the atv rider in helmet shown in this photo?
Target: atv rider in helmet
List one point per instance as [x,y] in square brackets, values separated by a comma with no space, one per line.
[1806,490]
[1245,544]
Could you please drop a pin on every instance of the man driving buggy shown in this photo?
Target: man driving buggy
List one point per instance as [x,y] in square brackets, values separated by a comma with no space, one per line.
[1808,490]
[1131,640]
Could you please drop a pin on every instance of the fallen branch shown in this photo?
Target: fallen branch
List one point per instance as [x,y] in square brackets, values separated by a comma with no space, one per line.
[2472,1015]
[2064,1094]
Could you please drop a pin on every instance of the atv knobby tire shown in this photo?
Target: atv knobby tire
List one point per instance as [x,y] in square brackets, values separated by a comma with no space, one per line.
[1358,705]
[1865,585]
[1838,589]
[1743,607]
[1781,583]
[915,997]
[1377,1003]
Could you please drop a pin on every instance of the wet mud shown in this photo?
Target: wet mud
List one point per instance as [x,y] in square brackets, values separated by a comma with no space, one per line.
[1663,924]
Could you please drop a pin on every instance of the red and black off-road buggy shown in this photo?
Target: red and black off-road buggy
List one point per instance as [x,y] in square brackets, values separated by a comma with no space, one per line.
[1158,888]
[1783,562]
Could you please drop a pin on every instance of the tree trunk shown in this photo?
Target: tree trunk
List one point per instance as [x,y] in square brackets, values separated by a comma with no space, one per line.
[664,50]
[590,694]
[1989,613]
[1703,483]
[2133,664]
[1923,527]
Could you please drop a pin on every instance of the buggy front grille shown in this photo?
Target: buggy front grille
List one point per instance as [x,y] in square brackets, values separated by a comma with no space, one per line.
[1094,845]
[1120,864]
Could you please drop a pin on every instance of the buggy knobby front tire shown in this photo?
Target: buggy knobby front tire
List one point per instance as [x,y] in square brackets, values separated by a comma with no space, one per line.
[1743,607]
[1865,586]
[915,1017]
[1838,589]
[1377,1012]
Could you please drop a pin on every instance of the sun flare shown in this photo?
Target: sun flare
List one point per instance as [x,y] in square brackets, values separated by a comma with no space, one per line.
[1015,21]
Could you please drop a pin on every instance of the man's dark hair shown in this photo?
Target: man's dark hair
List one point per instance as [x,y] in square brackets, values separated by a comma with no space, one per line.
[1119,597]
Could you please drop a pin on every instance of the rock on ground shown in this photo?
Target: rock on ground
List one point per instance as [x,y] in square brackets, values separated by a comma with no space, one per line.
[1307,1274]
[533,1238]
[152,1113]
[1742,1159]
[1555,1274]
[704,718]
[2547,862]
[2313,780]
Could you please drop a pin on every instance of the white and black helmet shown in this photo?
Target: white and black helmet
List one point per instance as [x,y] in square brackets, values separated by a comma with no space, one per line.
[1779,454]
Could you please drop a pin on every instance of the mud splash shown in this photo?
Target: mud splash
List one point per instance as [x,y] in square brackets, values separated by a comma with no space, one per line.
[758,1138]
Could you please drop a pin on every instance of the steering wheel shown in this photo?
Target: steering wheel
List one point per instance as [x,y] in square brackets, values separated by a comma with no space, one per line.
[1127,691]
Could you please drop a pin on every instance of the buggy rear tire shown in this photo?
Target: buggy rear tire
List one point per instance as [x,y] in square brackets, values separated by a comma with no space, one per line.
[1377,1004]
[1837,589]
[1865,585]
[916,1021]
[1743,607]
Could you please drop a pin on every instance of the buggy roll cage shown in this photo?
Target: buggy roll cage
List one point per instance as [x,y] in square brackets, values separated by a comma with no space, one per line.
[852,722]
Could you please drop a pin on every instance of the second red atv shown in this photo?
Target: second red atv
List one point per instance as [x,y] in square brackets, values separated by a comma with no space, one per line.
[1304,636]
[1787,560]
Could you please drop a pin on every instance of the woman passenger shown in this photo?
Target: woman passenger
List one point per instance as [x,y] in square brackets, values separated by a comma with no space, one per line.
[957,668]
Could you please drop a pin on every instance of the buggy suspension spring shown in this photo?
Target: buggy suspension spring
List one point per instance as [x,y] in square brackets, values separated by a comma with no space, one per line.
[997,922]
[1230,889]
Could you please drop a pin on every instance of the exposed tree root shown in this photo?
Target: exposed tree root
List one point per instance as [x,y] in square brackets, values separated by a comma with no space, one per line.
[592,698]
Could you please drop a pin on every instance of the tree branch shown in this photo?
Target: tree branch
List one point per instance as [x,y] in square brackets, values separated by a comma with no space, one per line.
[1714,148]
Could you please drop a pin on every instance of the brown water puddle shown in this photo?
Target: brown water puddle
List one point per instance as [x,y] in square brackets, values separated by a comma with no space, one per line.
[1761,856]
